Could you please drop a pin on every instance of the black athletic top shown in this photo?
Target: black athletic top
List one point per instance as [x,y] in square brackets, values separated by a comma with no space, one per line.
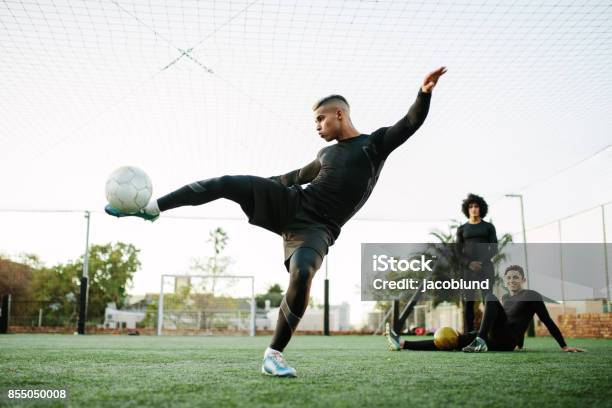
[471,240]
[520,309]
[343,175]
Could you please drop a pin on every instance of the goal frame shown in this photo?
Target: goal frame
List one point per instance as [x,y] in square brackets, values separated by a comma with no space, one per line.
[160,303]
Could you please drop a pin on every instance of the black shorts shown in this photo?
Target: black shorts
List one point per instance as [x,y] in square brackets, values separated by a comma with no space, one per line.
[279,209]
[304,232]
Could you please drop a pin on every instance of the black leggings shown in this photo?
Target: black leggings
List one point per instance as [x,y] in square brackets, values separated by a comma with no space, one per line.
[429,345]
[303,265]
[235,188]
[470,296]
[494,329]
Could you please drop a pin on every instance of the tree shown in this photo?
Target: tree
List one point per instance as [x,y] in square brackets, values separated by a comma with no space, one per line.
[199,301]
[217,264]
[111,269]
[56,290]
[16,279]
[274,295]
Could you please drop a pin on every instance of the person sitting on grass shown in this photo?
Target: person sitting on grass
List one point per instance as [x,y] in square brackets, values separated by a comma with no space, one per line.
[502,327]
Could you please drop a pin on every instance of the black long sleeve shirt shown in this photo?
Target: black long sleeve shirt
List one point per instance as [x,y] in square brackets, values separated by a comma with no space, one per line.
[476,242]
[520,309]
[343,175]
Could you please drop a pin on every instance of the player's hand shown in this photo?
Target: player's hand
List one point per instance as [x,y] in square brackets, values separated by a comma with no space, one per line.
[475,266]
[431,79]
[573,349]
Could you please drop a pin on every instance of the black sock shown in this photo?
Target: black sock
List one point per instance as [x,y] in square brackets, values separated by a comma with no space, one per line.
[420,345]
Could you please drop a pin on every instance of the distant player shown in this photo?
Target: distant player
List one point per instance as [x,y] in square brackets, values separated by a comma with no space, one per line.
[309,219]
[502,327]
[476,245]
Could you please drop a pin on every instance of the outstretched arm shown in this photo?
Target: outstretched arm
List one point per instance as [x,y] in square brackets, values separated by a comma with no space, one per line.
[553,329]
[406,126]
[300,176]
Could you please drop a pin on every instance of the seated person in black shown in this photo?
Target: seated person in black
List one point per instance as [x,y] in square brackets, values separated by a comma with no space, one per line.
[503,327]
[476,246]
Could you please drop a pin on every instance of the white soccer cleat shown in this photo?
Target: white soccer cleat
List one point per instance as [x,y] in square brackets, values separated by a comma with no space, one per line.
[150,212]
[274,364]
[393,340]
[476,346]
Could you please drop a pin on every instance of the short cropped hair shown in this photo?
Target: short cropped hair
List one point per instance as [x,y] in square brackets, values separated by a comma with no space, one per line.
[516,268]
[328,99]
[476,199]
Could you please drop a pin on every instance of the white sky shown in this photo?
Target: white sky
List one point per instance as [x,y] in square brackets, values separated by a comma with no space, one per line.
[89,86]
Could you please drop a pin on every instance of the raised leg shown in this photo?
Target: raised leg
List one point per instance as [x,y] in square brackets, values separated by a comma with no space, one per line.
[235,188]
[494,316]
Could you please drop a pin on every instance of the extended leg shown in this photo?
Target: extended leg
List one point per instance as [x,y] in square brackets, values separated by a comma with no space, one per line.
[420,345]
[267,203]
[235,188]
[429,345]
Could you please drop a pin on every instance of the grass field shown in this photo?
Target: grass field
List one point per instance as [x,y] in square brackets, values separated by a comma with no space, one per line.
[339,371]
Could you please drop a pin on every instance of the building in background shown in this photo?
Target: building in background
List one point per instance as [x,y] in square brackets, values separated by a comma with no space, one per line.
[339,319]
[121,319]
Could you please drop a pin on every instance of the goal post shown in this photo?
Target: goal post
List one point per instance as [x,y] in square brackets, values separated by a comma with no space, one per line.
[206,304]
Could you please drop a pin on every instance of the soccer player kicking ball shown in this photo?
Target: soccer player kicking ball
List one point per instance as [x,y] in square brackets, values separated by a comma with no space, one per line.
[309,219]
[502,327]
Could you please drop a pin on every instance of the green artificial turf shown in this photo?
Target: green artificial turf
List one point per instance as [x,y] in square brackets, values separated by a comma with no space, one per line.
[348,371]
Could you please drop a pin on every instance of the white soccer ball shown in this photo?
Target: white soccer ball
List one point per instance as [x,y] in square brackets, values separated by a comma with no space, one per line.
[128,189]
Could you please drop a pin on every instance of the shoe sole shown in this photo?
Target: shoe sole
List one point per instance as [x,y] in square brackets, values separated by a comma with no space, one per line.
[264,372]
[122,215]
[391,345]
[474,351]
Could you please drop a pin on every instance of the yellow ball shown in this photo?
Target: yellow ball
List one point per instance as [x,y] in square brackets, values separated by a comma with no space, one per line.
[446,338]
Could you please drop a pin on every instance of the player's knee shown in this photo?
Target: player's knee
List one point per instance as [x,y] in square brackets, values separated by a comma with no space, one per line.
[303,266]
[302,274]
